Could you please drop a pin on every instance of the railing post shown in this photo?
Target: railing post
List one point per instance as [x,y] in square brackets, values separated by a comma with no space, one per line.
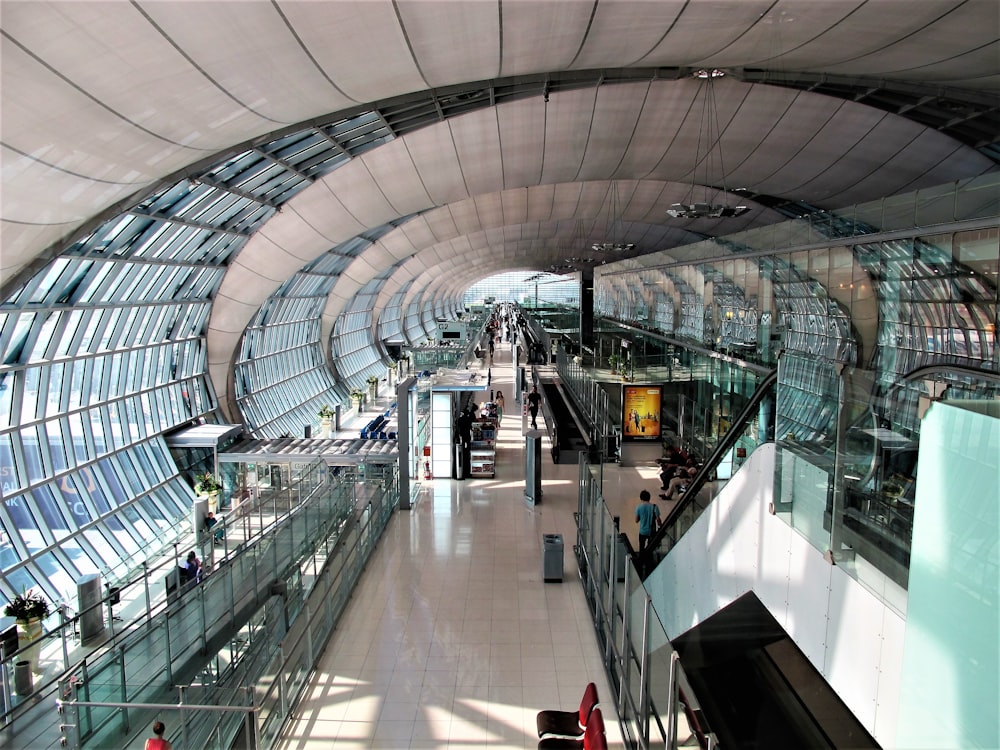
[85,676]
[145,584]
[644,674]
[204,618]
[282,689]
[625,666]
[251,722]
[309,640]
[180,715]
[674,699]
[62,635]
[166,646]
[124,686]
[69,721]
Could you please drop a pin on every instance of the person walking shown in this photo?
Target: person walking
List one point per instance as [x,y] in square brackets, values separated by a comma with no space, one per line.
[534,401]
[647,516]
[193,569]
[499,404]
[156,742]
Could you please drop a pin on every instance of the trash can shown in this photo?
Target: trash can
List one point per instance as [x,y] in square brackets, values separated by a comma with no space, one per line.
[621,555]
[23,678]
[552,557]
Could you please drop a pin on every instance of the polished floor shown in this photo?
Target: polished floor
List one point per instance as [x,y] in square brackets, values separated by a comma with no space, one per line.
[452,638]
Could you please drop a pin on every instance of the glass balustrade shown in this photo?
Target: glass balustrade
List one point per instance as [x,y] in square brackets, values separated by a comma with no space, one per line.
[656,706]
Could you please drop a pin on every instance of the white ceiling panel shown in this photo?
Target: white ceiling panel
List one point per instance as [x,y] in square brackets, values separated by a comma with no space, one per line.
[433,152]
[466,217]
[361,195]
[542,35]
[392,168]
[615,116]
[651,149]
[273,76]
[705,29]
[520,127]
[343,44]
[416,231]
[782,36]
[477,142]
[627,31]
[451,37]
[489,211]
[874,43]
[320,218]
[515,205]
[398,245]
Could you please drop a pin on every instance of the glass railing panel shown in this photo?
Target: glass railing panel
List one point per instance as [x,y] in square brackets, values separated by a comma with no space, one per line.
[640,662]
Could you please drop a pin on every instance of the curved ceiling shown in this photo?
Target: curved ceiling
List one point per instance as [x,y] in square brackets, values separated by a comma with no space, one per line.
[586,111]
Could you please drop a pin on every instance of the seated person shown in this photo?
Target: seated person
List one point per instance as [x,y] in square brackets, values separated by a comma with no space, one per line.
[680,481]
[669,465]
[210,521]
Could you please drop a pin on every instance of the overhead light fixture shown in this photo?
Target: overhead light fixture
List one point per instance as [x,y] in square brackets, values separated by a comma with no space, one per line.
[612,247]
[692,209]
[705,210]
[615,226]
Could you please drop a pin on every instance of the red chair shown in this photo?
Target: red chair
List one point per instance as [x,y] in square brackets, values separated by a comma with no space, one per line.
[568,723]
[593,738]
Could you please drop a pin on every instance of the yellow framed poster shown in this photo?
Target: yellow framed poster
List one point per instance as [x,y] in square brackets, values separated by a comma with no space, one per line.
[641,412]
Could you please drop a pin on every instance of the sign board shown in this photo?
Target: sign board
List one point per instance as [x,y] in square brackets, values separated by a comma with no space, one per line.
[641,412]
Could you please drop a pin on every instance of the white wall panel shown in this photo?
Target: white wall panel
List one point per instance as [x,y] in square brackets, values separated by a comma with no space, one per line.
[854,645]
[808,598]
[847,633]
[890,677]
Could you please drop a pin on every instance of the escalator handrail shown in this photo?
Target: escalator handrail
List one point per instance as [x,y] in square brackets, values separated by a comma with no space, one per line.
[735,431]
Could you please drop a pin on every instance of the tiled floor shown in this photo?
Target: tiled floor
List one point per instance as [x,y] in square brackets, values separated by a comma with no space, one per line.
[452,638]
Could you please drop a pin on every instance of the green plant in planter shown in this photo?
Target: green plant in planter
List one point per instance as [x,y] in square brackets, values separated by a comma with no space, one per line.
[326,412]
[206,483]
[357,395]
[28,605]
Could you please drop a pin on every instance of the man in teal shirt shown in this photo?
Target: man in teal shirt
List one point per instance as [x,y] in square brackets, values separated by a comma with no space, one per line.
[647,516]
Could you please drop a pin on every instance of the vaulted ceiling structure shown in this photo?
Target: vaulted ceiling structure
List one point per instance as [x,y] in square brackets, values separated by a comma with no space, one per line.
[493,136]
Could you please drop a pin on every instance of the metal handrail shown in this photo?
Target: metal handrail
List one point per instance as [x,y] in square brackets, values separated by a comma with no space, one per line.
[647,557]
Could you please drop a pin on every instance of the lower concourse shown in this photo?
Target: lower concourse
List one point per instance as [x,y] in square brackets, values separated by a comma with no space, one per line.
[453,639]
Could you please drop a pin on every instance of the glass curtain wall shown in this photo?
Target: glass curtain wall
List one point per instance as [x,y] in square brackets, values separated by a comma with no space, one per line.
[864,333]
[102,351]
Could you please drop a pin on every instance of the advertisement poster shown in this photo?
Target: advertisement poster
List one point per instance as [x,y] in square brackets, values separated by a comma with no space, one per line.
[641,412]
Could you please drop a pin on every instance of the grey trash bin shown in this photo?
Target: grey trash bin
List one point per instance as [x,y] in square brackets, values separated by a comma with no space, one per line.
[23,678]
[552,557]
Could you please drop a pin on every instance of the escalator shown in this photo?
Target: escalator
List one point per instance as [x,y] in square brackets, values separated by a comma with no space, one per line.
[758,689]
[568,438]
[690,506]
[755,686]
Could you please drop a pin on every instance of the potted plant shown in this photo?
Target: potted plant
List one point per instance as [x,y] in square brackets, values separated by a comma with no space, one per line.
[207,484]
[326,415]
[373,386]
[613,362]
[358,397]
[28,608]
